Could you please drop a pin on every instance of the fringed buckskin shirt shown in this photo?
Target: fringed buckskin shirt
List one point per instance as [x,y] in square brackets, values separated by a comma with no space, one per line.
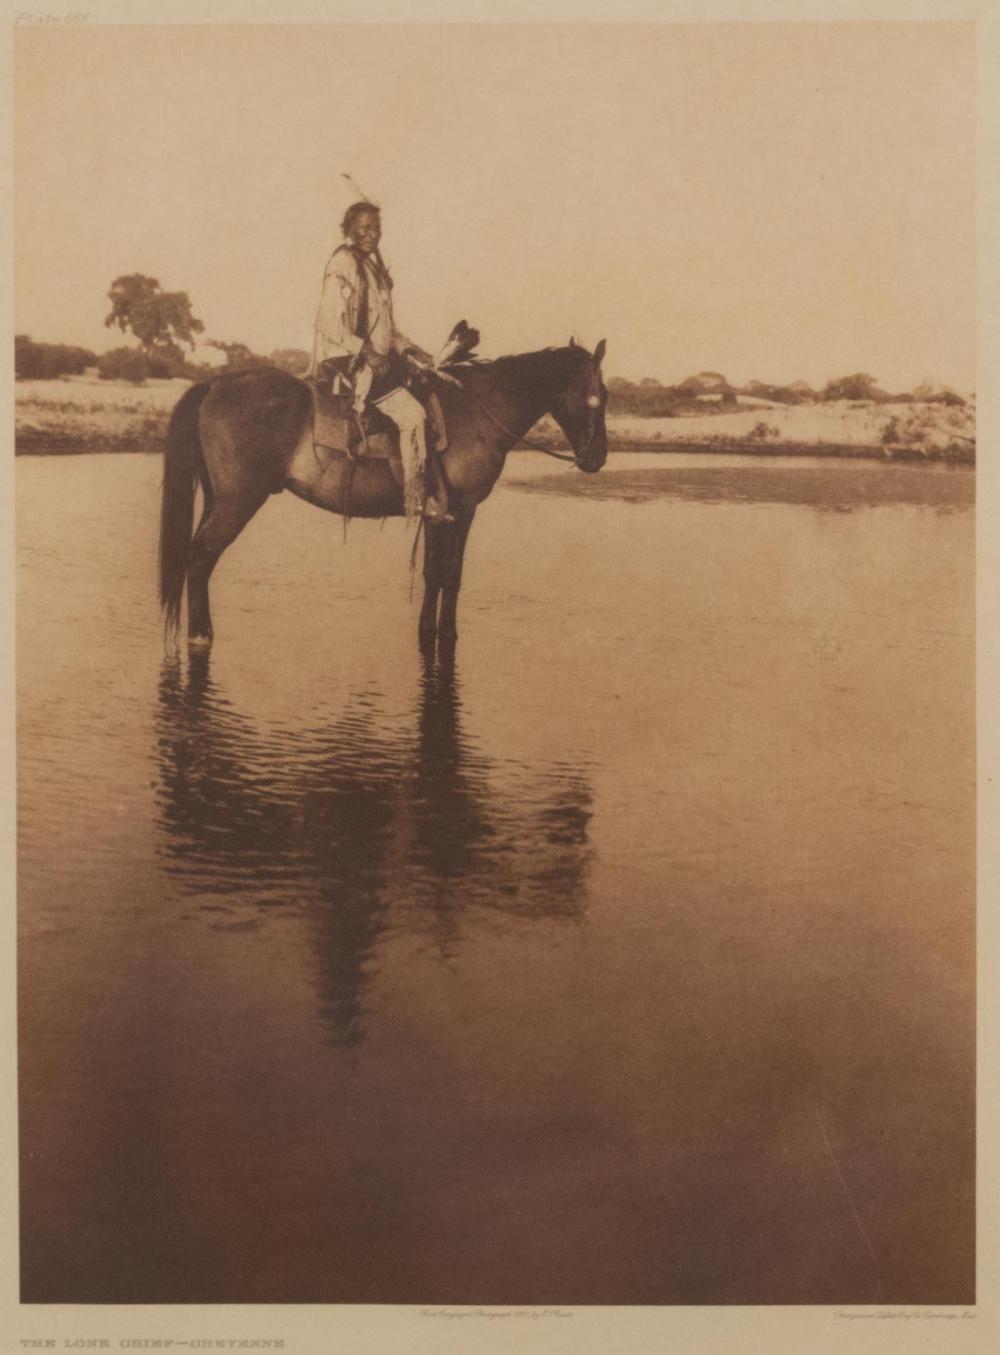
[355,307]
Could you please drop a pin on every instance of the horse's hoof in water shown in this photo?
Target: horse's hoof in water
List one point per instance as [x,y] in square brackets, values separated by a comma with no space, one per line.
[199,641]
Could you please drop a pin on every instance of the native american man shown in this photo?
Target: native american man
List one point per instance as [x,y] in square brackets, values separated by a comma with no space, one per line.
[355,334]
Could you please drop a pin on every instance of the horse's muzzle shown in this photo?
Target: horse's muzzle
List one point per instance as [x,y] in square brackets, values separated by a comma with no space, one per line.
[591,461]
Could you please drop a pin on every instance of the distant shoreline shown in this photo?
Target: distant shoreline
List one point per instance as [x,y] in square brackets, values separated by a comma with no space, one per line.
[31,445]
[39,444]
[82,417]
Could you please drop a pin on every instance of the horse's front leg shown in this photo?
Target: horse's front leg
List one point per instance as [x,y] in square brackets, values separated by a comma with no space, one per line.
[434,543]
[451,582]
[444,550]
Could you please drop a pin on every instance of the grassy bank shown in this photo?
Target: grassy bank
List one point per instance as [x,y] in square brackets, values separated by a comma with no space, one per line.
[81,414]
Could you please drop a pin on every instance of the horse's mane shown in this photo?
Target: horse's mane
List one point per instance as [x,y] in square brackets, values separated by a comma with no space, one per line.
[509,363]
[477,363]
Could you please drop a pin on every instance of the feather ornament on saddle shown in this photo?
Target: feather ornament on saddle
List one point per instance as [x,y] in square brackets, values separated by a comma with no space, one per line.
[459,345]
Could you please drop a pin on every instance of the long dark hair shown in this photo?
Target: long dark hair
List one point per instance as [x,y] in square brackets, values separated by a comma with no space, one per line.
[354,211]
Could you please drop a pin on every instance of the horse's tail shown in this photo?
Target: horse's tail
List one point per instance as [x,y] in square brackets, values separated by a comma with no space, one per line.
[182,461]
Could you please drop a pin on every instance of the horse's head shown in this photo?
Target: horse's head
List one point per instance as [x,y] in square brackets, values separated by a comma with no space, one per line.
[579,406]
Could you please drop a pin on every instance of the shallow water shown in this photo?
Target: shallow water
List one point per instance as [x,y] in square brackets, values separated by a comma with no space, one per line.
[626,959]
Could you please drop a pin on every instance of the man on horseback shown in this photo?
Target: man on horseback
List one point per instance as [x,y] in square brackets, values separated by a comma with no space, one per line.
[356,338]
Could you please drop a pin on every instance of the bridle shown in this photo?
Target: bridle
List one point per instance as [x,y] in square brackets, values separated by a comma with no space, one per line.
[521,439]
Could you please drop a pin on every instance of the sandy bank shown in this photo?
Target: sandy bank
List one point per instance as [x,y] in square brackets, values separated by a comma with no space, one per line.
[837,429]
[82,414]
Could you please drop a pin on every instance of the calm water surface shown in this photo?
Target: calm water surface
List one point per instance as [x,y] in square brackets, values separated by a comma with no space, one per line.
[628,958]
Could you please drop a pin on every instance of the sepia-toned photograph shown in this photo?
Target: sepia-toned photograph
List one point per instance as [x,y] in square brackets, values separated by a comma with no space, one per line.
[496,664]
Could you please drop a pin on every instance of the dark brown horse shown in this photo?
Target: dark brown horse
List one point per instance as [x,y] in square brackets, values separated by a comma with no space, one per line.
[247,435]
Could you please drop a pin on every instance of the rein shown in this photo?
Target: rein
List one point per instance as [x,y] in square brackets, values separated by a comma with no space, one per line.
[531,446]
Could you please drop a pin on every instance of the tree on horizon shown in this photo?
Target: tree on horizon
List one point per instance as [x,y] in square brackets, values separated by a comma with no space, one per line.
[161,321]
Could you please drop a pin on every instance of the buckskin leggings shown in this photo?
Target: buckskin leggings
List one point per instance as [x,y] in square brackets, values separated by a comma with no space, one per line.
[407,413]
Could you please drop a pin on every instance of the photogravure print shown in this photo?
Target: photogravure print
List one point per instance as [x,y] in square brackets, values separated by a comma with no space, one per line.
[496,670]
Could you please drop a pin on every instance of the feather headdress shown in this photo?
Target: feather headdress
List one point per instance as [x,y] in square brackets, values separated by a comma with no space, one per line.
[361,195]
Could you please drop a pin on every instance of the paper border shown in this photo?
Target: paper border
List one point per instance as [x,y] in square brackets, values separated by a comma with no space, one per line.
[308,1329]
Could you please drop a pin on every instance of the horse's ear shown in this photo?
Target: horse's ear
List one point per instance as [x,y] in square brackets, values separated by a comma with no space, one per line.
[572,341]
[599,353]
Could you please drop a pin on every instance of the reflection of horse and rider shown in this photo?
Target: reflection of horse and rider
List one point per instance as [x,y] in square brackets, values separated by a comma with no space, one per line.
[329,821]
[243,436]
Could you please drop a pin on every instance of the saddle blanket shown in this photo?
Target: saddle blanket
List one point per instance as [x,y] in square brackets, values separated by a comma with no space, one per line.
[336,428]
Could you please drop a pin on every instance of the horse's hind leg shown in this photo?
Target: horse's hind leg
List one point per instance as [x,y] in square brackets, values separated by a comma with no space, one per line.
[220,526]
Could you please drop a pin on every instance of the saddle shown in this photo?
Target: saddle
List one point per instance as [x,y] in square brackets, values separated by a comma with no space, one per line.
[337,428]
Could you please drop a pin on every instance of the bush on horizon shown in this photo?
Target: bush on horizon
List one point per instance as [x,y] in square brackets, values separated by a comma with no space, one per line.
[858,386]
[126,364]
[239,357]
[779,395]
[294,360]
[44,361]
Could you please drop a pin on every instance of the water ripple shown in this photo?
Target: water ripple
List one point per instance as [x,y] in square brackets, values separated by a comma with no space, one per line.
[360,827]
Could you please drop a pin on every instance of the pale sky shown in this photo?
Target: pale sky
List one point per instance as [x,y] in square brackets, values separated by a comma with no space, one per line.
[772,201]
